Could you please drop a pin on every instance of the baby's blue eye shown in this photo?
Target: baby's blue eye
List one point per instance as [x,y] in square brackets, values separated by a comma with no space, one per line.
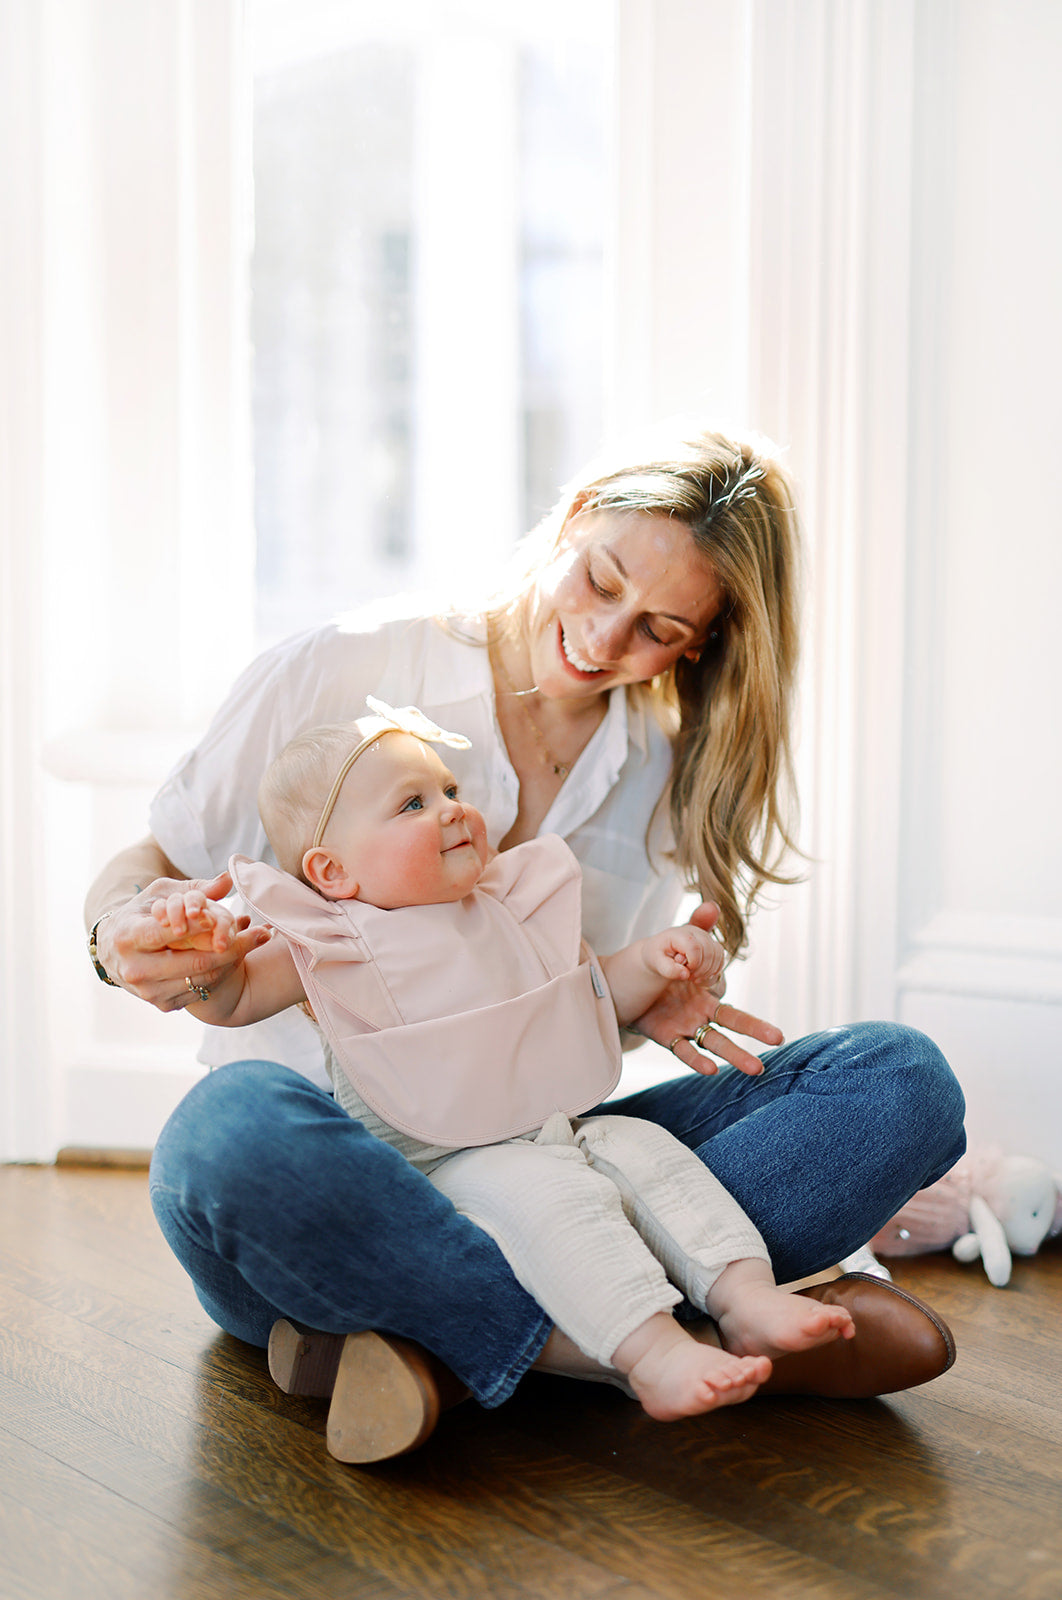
[450,791]
[414,803]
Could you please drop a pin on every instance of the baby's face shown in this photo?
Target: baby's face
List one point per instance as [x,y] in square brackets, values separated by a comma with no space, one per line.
[401,831]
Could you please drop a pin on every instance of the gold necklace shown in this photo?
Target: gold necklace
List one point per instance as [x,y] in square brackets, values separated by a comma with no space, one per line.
[561,769]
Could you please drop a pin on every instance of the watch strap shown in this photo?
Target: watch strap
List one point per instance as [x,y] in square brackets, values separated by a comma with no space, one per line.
[94,955]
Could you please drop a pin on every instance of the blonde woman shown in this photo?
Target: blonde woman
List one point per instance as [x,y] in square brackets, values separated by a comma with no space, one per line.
[629,688]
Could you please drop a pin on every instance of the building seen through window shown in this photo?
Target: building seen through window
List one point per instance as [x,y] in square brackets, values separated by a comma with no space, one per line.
[431,193]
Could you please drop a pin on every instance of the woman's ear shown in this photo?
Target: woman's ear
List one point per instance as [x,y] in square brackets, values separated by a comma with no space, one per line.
[327,874]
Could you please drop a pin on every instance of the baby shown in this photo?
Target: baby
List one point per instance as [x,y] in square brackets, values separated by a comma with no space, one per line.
[468,1025]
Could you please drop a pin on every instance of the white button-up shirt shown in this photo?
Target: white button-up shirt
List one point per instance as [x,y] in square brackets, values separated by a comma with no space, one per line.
[607,809]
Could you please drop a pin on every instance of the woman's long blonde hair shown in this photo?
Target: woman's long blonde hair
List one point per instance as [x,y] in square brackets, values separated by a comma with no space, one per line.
[732,796]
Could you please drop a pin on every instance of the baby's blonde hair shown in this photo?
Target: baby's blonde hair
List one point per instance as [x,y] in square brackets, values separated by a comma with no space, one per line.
[296,785]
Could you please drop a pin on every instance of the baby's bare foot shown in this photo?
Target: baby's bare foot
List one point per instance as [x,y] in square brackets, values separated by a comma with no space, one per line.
[673,1376]
[687,1384]
[768,1321]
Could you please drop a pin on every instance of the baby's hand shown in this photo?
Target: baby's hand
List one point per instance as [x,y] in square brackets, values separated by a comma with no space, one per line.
[684,953]
[192,922]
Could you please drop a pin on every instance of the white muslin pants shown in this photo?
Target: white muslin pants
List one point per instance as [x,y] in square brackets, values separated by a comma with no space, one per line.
[600,1220]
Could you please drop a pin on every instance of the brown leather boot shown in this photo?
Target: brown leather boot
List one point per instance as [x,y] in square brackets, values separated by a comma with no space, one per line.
[386,1393]
[899,1343]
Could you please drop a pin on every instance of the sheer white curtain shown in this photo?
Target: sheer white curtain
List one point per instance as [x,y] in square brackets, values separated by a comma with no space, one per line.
[126,470]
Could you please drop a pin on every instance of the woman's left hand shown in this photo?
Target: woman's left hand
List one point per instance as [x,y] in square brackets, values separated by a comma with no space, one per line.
[696,1011]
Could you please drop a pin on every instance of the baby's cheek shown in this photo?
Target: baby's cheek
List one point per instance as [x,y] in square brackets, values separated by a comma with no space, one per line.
[478,830]
[421,871]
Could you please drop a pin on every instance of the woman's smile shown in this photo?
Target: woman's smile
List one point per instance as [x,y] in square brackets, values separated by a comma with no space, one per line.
[585,668]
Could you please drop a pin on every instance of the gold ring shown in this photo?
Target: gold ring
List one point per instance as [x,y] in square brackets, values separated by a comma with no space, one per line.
[197,989]
[699,1036]
[680,1038]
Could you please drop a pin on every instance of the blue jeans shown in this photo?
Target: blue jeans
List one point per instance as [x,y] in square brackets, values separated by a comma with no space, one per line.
[278,1204]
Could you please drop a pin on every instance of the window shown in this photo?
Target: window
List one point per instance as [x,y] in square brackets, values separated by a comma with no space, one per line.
[427,287]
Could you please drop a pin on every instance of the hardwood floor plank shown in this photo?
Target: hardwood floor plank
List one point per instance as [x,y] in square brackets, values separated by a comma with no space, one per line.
[636,1530]
[112,1535]
[278,1464]
[814,1474]
[146,1453]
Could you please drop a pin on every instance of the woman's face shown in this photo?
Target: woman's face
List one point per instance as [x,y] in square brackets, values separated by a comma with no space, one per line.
[626,595]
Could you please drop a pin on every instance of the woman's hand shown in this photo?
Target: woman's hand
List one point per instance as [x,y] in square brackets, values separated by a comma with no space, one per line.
[696,1009]
[135,947]
[193,921]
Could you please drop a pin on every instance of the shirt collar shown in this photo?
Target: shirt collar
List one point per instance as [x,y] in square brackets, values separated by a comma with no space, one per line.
[595,773]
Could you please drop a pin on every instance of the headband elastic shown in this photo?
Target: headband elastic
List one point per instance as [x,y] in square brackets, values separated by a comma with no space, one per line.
[406,719]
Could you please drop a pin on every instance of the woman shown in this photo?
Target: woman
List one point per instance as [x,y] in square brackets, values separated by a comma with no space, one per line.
[630,690]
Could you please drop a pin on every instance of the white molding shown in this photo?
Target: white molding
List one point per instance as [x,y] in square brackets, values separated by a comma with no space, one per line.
[1013,959]
[117,759]
[1002,1049]
[124,1106]
[929,491]
[832,197]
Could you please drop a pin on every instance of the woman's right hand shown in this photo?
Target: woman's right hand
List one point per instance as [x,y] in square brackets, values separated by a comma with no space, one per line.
[132,946]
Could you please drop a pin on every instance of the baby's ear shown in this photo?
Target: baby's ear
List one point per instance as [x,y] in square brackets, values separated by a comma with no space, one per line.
[328,875]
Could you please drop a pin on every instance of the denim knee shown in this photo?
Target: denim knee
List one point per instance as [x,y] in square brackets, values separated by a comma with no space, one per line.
[920,1091]
[237,1121]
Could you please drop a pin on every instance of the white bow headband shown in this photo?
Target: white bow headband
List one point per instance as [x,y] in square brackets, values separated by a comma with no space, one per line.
[388,719]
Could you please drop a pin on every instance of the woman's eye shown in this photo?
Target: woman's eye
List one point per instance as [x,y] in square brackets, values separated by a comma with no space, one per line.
[597,586]
[414,803]
[649,634]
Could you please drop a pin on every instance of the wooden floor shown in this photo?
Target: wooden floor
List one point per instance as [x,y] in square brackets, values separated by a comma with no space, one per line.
[142,1454]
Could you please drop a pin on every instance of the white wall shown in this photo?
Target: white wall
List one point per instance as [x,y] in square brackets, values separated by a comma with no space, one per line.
[907,325]
[981,952]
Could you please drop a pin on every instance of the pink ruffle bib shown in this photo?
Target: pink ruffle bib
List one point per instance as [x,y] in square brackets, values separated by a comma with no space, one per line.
[459,1024]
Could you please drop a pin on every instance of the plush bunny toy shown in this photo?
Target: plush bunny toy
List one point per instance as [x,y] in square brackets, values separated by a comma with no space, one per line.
[988,1205]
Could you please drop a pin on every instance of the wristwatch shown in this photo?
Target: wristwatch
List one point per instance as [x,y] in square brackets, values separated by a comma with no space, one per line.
[94,955]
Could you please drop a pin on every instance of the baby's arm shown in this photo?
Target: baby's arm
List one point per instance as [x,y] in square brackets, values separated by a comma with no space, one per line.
[638,975]
[265,982]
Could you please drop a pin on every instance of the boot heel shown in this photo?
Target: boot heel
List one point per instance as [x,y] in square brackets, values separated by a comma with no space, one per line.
[385,1400]
[304,1360]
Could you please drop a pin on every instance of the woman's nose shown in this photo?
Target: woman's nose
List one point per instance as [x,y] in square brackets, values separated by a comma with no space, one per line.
[606,637]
